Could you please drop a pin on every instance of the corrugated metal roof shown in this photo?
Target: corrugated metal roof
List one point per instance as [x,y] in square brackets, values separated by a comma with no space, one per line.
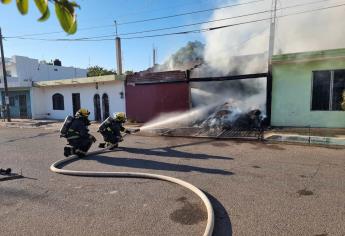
[85,80]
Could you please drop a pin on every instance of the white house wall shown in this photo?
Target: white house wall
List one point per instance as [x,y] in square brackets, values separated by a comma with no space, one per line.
[22,71]
[38,103]
[31,69]
[42,101]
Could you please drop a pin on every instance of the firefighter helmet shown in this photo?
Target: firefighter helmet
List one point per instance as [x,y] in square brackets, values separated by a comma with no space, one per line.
[120,117]
[82,112]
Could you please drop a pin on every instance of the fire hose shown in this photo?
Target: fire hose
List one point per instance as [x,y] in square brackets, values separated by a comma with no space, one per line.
[210,214]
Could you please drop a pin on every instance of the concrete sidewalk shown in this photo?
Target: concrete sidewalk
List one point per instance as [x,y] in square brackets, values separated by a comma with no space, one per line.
[27,123]
[310,136]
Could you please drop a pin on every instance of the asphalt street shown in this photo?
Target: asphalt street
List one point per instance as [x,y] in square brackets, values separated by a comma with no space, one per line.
[255,188]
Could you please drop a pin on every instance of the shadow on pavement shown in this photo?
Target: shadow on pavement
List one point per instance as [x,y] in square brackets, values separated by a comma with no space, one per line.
[222,223]
[29,137]
[154,165]
[169,152]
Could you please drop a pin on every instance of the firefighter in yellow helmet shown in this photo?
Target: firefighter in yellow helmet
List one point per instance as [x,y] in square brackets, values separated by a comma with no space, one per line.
[77,134]
[111,130]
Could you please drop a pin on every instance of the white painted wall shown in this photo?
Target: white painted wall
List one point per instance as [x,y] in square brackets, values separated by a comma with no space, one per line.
[24,70]
[42,102]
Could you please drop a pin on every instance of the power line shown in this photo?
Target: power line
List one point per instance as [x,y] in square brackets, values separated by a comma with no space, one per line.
[216,20]
[193,24]
[189,13]
[189,31]
[143,20]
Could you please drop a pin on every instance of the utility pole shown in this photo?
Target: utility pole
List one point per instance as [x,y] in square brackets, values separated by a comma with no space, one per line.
[118,51]
[154,56]
[7,102]
[270,54]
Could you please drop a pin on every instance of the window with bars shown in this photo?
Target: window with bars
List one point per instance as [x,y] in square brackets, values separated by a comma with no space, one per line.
[328,88]
[58,102]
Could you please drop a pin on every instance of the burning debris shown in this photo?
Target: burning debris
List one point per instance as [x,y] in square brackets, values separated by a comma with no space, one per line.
[228,117]
[225,120]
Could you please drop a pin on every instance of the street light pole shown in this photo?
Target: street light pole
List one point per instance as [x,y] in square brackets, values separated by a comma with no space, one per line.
[5,79]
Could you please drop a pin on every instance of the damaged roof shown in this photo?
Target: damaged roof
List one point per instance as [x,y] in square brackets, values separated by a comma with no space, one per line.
[156,77]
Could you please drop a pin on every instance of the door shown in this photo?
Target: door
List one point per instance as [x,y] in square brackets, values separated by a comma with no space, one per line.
[105,106]
[76,102]
[97,107]
[23,110]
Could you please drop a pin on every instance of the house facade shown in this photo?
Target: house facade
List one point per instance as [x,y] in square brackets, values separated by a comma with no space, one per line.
[22,72]
[56,99]
[307,89]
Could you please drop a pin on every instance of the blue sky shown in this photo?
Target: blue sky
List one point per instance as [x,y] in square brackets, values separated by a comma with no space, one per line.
[137,52]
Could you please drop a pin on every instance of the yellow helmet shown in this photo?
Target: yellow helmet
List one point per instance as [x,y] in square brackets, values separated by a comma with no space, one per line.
[120,117]
[82,112]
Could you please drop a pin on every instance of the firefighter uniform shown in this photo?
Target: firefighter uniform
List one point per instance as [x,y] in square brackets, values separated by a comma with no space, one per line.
[78,133]
[111,129]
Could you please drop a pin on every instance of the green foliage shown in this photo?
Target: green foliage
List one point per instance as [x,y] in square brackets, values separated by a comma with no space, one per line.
[42,6]
[64,10]
[5,1]
[129,72]
[98,71]
[23,6]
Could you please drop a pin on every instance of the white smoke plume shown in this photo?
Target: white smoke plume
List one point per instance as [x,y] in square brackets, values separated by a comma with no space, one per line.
[317,30]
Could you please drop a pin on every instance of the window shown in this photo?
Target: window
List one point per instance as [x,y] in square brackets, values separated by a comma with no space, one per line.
[58,103]
[328,87]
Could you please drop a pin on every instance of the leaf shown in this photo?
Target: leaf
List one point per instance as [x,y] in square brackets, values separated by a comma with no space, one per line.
[6,1]
[73,29]
[42,5]
[66,18]
[45,16]
[23,6]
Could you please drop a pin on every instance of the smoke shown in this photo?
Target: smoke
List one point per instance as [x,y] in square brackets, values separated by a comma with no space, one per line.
[312,31]
[186,57]
[250,94]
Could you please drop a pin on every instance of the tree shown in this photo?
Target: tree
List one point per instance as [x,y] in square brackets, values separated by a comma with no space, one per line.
[64,10]
[129,72]
[98,71]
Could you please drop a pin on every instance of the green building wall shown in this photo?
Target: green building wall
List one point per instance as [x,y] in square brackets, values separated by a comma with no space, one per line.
[292,88]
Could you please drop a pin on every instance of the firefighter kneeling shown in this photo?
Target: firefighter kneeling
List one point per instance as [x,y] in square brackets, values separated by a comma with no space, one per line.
[111,130]
[75,130]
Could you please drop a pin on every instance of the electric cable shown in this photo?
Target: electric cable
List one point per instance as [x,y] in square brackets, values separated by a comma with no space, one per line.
[188,13]
[88,39]
[144,20]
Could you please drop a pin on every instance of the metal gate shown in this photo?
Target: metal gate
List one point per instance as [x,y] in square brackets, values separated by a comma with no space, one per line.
[234,132]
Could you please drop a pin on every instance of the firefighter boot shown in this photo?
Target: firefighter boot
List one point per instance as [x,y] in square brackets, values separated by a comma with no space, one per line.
[80,153]
[67,151]
[112,145]
[101,145]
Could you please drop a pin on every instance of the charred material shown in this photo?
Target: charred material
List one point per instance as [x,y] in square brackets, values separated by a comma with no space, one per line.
[224,121]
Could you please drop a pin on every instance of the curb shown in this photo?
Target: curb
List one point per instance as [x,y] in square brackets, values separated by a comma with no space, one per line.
[317,140]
